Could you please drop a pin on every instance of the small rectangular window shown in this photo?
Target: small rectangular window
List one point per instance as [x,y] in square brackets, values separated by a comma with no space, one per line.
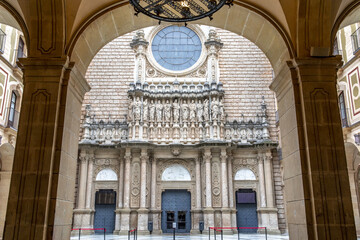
[105,197]
[20,52]
[2,41]
[342,107]
[355,39]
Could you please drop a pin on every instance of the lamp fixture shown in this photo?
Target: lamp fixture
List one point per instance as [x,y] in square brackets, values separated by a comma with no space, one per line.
[178,10]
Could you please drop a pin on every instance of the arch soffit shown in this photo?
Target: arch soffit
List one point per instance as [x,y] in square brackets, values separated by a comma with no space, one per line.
[10,16]
[352,156]
[243,19]
[345,18]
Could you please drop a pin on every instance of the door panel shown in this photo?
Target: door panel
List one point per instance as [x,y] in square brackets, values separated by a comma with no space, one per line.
[246,211]
[176,206]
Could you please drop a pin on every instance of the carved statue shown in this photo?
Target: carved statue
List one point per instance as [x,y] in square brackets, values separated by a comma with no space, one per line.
[152,110]
[200,111]
[130,109]
[167,111]
[214,109]
[206,110]
[192,108]
[176,111]
[145,110]
[137,109]
[159,111]
[185,110]
[87,114]
[221,110]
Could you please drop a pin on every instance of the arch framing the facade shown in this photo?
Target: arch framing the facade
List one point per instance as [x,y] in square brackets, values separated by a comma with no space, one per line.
[83,46]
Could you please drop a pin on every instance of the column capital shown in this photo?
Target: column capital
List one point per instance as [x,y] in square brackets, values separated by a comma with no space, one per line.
[223,155]
[207,155]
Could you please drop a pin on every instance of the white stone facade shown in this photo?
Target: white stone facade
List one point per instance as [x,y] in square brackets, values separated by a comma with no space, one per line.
[159,130]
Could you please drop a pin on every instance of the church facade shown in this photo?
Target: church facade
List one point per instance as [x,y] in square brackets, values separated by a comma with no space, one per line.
[178,150]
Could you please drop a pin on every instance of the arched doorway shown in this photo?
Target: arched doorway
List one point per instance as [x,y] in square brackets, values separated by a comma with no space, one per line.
[105,202]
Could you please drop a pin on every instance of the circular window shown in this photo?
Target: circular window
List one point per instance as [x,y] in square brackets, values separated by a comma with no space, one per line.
[176,48]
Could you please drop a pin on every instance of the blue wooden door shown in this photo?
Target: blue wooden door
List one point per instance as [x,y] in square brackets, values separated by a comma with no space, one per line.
[176,206]
[105,205]
[246,210]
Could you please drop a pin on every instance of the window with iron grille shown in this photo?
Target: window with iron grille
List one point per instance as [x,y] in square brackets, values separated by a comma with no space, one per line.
[342,107]
[105,197]
[2,41]
[355,39]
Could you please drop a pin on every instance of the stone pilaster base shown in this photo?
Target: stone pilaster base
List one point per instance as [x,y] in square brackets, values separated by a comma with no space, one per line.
[155,215]
[196,217]
[83,218]
[269,219]
[208,219]
[226,220]
[124,221]
[143,217]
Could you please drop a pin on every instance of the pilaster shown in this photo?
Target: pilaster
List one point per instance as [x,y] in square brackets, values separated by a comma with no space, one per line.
[143,211]
[315,173]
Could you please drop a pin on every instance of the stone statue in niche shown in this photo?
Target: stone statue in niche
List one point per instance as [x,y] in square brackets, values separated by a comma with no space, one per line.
[87,114]
[206,110]
[176,111]
[130,109]
[214,109]
[152,110]
[137,109]
[145,110]
[185,110]
[159,111]
[192,108]
[167,111]
[221,110]
[200,111]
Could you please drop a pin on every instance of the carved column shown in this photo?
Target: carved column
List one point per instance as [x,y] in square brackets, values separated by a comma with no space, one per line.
[120,194]
[82,180]
[232,205]
[316,179]
[139,45]
[268,180]
[143,212]
[208,210]
[155,212]
[89,195]
[125,212]
[197,212]
[261,181]
[44,162]
[226,217]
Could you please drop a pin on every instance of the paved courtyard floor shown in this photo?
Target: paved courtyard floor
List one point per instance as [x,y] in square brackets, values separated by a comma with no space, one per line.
[186,237]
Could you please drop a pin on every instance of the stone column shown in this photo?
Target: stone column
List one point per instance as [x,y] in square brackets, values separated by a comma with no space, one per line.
[232,205]
[125,212]
[261,181]
[89,195]
[208,210]
[82,179]
[315,175]
[44,165]
[226,217]
[120,195]
[197,212]
[155,212]
[143,212]
[268,180]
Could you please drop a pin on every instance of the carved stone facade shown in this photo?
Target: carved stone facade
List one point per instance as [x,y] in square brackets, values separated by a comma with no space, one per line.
[177,134]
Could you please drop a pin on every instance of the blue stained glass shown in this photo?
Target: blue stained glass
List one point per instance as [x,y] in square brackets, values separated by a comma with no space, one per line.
[176,48]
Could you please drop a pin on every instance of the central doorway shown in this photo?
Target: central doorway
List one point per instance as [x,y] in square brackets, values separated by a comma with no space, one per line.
[105,205]
[246,211]
[176,206]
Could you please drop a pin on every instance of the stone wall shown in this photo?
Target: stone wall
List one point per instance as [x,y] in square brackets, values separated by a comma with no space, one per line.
[244,69]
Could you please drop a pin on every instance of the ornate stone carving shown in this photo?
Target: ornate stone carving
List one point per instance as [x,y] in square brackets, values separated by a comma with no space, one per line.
[135,185]
[216,188]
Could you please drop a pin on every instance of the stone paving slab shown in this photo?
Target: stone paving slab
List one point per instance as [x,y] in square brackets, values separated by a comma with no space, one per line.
[186,237]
